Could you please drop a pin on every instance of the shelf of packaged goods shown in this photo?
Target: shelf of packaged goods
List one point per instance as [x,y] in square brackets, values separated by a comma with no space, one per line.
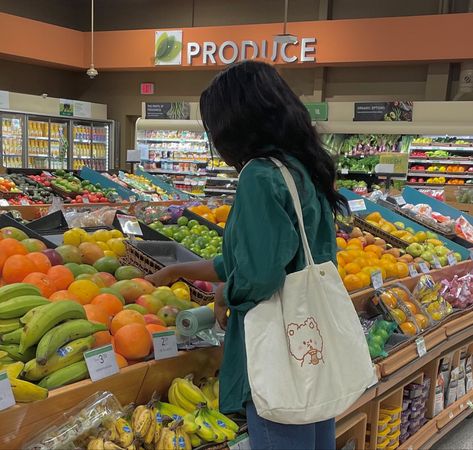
[443,174]
[446,147]
[188,161]
[457,162]
[185,150]
[43,155]
[39,138]
[229,180]
[82,141]
[355,172]
[177,172]
[15,136]
[221,169]
[12,154]
[220,191]
[170,140]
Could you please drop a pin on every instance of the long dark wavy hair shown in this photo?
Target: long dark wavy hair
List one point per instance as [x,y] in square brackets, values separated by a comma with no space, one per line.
[249,112]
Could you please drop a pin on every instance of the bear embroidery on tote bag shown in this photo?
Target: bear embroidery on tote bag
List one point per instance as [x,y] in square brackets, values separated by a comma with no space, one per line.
[305,342]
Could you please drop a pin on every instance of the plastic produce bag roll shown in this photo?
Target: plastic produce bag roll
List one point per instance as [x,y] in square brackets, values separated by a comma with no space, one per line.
[192,321]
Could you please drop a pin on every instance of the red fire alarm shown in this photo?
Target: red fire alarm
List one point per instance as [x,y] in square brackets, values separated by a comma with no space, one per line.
[147,88]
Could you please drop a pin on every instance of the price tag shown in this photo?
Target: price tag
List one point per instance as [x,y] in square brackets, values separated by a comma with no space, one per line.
[412,270]
[85,200]
[242,442]
[451,259]
[6,394]
[344,171]
[450,415]
[423,267]
[421,349]
[165,345]
[399,199]
[130,225]
[101,362]
[24,202]
[357,205]
[132,199]
[377,279]
[436,262]
[48,174]
[4,202]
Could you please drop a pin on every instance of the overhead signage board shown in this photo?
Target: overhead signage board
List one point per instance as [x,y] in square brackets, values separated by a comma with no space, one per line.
[383,112]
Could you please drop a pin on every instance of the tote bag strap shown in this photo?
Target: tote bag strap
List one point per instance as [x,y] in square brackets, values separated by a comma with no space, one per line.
[291,185]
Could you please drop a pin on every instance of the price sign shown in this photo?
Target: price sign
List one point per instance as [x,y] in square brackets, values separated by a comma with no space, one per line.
[436,262]
[165,345]
[130,225]
[48,174]
[399,199]
[101,362]
[6,394]
[377,279]
[242,442]
[421,348]
[85,200]
[4,202]
[357,205]
[24,202]
[423,267]
[451,259]
[344,171]
[412,270]
[132,199]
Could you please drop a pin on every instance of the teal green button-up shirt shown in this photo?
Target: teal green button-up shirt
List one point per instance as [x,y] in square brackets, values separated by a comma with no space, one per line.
[261,246]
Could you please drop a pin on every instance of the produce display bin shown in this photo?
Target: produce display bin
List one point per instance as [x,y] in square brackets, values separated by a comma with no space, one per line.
[50,224]
[166,253]
[212,226]
[7,221]
[95,177]
[163,185]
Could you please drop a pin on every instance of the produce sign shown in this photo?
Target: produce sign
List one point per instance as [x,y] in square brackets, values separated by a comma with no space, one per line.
[383,111]
[176,110]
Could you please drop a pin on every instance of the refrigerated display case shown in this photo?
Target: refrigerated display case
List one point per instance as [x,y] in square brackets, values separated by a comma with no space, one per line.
[11,140]
[45,142]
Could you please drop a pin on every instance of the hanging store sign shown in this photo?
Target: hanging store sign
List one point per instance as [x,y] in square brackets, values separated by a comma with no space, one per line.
[176,111]
[318,111]
[169,47]
[383,112]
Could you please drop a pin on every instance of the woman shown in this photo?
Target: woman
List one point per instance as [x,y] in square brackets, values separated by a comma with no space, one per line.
[251,114]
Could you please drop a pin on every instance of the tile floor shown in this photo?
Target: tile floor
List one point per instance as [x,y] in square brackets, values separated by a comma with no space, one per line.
[460,438]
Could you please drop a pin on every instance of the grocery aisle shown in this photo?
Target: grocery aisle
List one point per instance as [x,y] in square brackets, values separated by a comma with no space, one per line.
[460,438]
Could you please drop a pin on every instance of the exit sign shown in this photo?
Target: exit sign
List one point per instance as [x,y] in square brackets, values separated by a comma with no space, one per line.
[147,88]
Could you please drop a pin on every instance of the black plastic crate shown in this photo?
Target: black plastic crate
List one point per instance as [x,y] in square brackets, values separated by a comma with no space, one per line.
[7,221]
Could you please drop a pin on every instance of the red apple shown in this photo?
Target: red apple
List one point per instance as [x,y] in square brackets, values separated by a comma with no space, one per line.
[203,286]
[153,318]
[151,303]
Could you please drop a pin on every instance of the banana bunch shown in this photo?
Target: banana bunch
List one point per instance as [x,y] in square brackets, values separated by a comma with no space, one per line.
[174,437]
[185,394]
[23,391]
[210,388]
[214,426]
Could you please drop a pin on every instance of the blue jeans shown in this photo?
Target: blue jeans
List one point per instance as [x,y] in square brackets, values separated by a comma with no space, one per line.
[267,435]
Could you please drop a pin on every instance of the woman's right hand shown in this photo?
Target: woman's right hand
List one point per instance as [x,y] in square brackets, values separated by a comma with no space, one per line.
[164,277]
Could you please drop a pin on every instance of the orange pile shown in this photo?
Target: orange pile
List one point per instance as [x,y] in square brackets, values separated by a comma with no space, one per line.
[217,215]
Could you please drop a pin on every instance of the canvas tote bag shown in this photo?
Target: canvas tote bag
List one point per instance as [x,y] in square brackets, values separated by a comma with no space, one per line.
[307,356]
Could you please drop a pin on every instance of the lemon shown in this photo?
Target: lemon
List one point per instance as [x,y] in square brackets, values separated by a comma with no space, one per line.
[117,246]
[110,253]
[103,245]
[87,238]
[102,235]
[72,237]
[116,234]
[180,285]
[182,294]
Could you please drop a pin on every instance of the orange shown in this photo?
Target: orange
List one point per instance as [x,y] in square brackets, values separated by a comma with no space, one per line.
[355,242]
[391,270]
[155,328]
[352,268]
[210,217]
[109,303]
[61,276]
[362,261]
[17,267]
[402,269]
[376,249]
[84,290]
[369,270]
[422,321]
[400,293]
[126,317]
[374,216]
[97,314]
[10,247]
[221,213]
[352,283]
[102,338]
[42,282]
[411,307]
[121,360]
[341,243]
[341,272]
[133,341]
[365,279]
[63,295]
[41,261]
[389,257]
[389,300]
[408,328]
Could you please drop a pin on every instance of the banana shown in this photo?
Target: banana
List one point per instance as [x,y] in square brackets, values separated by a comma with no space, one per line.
[179,400]
[27,392]
[190,391]
[109,445]
[29,315]
[183,440]
[173,411]
[13,351]
[67,375]
[141,420]
[205,431]
[158,424]
[125,432]
[167,441]
[219,417]
[9,325]
[219,426]
[19,306]
[62,334]
[48,317]
[96,444]
[207,390]
[14,369]
[13,337]
[111,429]
[196,441]
[65,356]
[17,290]
[216,388]
[148,438]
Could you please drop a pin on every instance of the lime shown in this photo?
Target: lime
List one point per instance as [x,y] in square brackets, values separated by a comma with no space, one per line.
[182,221]
[192,223]
[213,233]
